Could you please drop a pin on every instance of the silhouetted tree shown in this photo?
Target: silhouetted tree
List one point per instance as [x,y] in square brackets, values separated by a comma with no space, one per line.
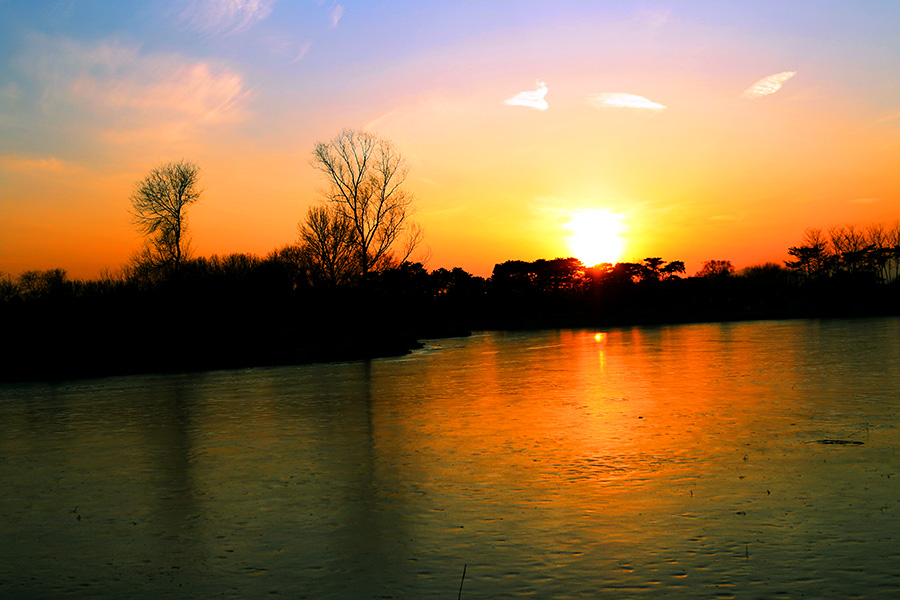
[365,176]
[512,279]
[813,258]
[881,254]
[408,280]
[159,209]
[328,246]
[42,284]
[619,274]
[768,271]
[560,274]
[8,288]
[892,245]
[655,269]
[557,275]
[716,268]
[456,282]
[290,263]
[651,266]
[443,281]
[852,248]
[672,269]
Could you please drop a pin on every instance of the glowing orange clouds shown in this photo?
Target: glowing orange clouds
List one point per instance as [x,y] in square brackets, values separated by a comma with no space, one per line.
[596,236]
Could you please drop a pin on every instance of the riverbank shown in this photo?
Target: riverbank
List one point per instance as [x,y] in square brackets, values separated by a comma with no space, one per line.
[194,325]
[81,355]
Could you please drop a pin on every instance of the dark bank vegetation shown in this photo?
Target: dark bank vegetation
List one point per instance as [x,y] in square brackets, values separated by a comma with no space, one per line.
[347,288]
[243,310]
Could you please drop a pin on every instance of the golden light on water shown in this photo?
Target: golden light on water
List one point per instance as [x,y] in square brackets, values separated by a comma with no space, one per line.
[597,236]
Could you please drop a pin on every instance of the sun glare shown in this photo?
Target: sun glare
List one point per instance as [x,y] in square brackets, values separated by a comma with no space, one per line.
[596,236]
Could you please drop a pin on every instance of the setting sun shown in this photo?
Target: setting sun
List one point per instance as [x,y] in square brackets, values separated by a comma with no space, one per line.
[596,236]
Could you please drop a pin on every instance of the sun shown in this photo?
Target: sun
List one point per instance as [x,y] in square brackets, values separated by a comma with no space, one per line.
[596,236]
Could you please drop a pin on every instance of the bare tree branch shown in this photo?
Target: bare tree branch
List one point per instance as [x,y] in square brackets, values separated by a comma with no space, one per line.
[365,176]
[159,203]
[327,241]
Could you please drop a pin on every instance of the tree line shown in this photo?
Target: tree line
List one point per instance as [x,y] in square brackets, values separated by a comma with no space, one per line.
[347,288]
[871,253]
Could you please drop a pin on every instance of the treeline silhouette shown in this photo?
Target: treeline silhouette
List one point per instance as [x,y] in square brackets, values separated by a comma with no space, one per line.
[243,310]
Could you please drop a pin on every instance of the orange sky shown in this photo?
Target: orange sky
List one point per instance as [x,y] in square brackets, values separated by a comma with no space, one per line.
[507,116]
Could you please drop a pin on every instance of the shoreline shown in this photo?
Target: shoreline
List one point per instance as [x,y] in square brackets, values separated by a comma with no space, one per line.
[365,346]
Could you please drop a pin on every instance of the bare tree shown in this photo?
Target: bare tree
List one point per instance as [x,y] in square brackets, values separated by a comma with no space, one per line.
[851,247]
[37,284]
[878,256]
[813,258]
[159,209]
[328,248]
[365,175]
[8,288]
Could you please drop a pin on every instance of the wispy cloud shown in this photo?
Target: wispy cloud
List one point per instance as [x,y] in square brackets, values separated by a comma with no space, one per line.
[122,89]
[768,85]
[48,164]
[620,100]
[197,91]
[225,16]
[865,200]
[303,50]
[336,13]
[531,99]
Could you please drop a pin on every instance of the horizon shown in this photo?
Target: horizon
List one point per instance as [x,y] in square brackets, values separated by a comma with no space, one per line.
[710,131]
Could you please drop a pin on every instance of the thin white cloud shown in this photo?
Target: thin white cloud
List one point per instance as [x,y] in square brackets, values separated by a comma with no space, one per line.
[118,89]
[336,13]
[531,99]
[303,50]
[48,164]
[225,16]
[768,85]
[620,100]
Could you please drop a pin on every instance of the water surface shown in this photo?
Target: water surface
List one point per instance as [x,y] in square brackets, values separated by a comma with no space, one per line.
[676,462]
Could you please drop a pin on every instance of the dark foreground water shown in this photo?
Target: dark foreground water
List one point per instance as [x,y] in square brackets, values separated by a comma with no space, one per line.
[754,460]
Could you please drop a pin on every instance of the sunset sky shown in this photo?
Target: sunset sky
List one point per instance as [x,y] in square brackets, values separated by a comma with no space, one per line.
[691,130]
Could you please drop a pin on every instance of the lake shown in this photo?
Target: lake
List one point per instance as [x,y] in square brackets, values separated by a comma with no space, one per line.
[740,460]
